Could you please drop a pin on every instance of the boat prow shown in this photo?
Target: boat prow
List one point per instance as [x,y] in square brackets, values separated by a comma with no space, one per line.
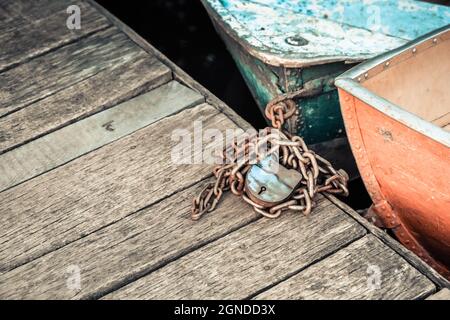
[396,110]
[281,46]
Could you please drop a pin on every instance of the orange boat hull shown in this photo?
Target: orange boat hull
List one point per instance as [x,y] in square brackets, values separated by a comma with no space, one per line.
[408,178]
[396,114]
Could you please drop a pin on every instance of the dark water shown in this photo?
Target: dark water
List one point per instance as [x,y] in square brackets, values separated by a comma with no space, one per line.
[181,29]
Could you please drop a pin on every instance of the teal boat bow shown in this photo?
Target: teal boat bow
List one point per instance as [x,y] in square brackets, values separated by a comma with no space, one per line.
[281,46]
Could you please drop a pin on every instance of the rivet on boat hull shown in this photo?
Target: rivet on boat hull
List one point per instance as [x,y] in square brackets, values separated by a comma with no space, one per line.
[297,41]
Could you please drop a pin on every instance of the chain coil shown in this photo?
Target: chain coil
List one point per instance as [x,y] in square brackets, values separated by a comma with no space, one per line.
[318,175]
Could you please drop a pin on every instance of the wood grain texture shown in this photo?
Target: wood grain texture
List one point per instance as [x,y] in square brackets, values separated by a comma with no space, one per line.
[125,250]
[99,188]
[57,70]
[101,91]
[178,73]
[70,142]
[36,27]
[366,269]
[36,9]
[443,294]
[250,259]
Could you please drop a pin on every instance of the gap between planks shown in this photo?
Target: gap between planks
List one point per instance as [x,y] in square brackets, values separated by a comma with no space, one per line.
[35,28]
[126,250]
[70,142]
[409,256]
[92,80]
[443,294]
[366,269]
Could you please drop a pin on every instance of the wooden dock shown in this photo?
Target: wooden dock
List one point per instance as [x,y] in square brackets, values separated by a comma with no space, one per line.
[92,207]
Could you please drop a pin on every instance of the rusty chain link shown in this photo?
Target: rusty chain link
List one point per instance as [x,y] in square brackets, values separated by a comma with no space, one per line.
[318,175]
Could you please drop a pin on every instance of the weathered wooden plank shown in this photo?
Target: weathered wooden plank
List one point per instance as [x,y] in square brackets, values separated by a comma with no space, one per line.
[97,189]
[301,33]
[48,74]
[129,248]
[178,73]
[402,19]
[443,294]
[4,16]
[101,91]
[265,31]
[36,9]
[414,260]
[36,27]
[366,269]
[70,142]
[250,259]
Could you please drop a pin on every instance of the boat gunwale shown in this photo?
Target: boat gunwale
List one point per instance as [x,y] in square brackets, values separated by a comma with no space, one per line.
[351,82]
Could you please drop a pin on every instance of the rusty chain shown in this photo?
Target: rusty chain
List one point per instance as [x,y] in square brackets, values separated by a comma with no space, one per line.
[318,175]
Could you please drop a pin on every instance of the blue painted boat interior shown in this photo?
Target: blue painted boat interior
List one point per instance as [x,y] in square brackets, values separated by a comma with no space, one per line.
[344,28]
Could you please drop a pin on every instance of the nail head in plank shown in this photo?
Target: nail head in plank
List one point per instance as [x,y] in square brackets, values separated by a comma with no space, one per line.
[366,269]
[99,188]
[70,142]
[126,249]
[52,72]
[250,259]
[37,27]
[443,294]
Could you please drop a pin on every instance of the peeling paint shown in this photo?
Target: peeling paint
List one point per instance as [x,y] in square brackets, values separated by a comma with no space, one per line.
[330,36]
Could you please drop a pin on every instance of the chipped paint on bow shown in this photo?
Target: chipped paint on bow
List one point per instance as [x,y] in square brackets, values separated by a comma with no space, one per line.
[334,30]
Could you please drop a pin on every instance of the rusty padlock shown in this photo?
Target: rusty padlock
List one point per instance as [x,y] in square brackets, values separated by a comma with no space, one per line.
[268,183]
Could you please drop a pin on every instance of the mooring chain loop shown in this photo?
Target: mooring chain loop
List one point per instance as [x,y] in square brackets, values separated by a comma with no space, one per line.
[279,112]
[318,175]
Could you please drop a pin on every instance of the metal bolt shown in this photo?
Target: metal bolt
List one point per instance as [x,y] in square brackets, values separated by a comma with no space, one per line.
[297,41]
